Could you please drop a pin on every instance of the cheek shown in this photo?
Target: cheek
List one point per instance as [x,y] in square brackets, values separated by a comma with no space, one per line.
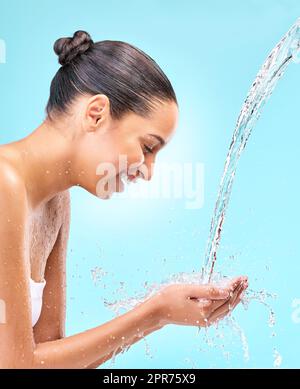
[133,155]
[136,157]
[105,153]
[122,153]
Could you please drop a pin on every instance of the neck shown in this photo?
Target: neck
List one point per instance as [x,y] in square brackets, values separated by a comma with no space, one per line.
[47,162]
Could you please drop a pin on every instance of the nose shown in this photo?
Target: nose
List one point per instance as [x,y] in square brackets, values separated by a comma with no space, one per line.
[147,170]
[143,172]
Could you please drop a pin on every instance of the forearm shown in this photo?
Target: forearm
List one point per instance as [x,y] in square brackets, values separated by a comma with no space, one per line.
[116,352]
[84,349]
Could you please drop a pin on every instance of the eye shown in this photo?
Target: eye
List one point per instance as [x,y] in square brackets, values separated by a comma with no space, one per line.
[147,149]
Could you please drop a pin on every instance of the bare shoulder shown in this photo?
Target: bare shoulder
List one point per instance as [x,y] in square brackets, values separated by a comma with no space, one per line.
[8,173]
[12,185]
[14,211]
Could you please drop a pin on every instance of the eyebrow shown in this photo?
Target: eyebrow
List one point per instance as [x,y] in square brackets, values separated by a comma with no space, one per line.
[159,138]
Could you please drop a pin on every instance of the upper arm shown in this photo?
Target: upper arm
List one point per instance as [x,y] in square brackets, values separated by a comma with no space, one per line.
[51,324]
[16,337]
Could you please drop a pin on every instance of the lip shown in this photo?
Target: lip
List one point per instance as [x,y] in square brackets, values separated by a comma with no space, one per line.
[124,179]
[131,178]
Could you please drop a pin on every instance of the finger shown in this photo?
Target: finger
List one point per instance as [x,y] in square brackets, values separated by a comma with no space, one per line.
[234,283]
[206,291]
[226,308]
[236,288]
[233,289]
[219,313]
[210,306]
[221,316]
[239,297]
[212,291]
[231,298]
[235,296]
[215,304]
[237,301]
[217,319]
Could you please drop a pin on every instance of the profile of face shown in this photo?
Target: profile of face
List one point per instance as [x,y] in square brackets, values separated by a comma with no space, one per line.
[111,151]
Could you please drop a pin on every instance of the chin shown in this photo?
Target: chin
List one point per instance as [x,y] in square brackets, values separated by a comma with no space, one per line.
[115,185]
[104,195]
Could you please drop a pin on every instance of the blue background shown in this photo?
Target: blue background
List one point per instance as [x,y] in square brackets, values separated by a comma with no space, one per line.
[211,51]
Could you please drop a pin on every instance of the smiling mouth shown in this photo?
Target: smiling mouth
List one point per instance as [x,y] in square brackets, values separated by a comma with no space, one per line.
[127,178]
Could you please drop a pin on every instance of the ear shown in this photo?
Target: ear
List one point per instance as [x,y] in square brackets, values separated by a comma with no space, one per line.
[97,111]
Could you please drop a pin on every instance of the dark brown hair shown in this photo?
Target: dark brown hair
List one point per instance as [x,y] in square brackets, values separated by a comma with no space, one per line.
[130,78]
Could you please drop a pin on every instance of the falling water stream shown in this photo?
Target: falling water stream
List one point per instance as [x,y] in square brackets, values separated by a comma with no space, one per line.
[273,68]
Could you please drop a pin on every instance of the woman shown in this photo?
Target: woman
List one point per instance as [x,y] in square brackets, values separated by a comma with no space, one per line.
[107,100]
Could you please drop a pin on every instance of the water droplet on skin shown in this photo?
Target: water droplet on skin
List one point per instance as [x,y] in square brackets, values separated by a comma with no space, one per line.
[47,171]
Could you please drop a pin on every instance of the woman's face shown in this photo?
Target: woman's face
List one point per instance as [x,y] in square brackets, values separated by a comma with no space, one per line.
[125,149]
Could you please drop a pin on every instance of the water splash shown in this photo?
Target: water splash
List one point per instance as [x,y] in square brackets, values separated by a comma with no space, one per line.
[243,338]
[121,305]
[219,340]
[286,51]
[277,358]
[97,274]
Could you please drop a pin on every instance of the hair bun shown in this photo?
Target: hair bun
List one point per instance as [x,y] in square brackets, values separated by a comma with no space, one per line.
[69,48]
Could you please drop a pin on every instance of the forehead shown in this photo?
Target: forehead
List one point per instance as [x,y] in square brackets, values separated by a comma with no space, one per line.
[162,121]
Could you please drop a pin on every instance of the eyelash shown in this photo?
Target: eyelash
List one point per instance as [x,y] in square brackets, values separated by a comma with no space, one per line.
[148,149]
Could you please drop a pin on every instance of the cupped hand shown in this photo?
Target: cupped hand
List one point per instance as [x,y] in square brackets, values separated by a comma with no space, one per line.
[199,305]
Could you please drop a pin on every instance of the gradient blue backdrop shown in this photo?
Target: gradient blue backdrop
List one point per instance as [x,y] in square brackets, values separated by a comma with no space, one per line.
[211,51]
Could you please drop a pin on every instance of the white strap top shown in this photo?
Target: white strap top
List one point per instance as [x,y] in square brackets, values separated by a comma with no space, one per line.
[36,291]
